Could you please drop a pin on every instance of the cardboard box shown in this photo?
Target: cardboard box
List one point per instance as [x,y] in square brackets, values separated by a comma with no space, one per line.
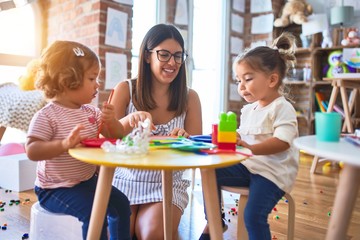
[17,172]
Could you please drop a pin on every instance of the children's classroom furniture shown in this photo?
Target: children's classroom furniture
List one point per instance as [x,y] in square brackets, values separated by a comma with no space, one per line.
[244,193]
[45,225]
[349,180]
[341,84]
[165,160]
[303,92]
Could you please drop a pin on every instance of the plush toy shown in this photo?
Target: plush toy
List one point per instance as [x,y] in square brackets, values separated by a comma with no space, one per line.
[294,11]
[336,64]
[27,81]
[352,38]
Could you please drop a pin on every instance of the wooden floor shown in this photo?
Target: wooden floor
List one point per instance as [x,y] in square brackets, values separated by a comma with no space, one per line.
[313,195]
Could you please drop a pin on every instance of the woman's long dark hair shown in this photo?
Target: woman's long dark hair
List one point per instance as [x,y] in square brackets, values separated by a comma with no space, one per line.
[178,91]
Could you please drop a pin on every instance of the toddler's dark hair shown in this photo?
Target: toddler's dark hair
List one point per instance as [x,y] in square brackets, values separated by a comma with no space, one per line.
[279,57]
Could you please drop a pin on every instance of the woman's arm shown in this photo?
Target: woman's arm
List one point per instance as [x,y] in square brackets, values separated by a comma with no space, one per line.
[193,119]
[121,100]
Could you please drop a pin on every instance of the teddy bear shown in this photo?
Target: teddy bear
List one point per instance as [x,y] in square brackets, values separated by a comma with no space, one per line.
[352,38]
[27,80]
[294,11]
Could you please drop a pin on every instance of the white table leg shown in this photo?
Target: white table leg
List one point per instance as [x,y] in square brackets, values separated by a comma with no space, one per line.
[167,181]
[345,199]
[101,200]
[208,182]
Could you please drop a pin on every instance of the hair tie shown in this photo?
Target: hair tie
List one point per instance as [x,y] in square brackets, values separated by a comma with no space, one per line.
[78,52]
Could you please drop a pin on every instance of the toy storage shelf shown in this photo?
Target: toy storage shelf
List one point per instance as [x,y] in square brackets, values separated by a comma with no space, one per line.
[303,93]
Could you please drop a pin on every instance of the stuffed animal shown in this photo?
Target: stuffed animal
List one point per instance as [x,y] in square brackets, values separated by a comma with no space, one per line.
[294,11]
[27,81]
[336,64]
[352,38]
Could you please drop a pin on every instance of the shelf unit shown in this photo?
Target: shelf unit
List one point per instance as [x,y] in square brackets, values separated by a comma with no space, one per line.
[303,93]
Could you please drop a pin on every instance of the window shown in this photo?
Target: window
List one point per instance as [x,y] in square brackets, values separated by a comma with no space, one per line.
[18,42]
[144,17]
[209,54]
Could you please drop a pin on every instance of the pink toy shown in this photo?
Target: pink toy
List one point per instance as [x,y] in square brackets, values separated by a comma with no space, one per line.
[352,38]
[11,149]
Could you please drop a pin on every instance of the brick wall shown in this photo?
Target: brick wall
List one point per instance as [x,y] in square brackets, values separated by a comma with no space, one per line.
[248,38]
[84,21]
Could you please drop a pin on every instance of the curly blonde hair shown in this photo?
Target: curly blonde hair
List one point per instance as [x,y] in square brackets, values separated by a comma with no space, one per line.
[62,66]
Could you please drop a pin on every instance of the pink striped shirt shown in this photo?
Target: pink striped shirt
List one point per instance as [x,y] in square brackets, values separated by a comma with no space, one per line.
[55,122]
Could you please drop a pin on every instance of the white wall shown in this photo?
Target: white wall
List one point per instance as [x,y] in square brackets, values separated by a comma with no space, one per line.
[324,6]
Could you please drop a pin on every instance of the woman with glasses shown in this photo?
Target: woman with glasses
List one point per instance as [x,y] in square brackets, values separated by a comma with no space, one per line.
[159,92]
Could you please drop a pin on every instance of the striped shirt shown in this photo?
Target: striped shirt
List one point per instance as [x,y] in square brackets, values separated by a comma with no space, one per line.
[55,122]
[145,186]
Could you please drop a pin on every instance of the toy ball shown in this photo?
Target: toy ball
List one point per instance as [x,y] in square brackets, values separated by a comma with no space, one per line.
[11,149]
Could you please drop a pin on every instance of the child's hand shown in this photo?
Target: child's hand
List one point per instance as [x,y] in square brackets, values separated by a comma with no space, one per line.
[107,113]
[140,116]
[74,138]
[176,132]
[242,143]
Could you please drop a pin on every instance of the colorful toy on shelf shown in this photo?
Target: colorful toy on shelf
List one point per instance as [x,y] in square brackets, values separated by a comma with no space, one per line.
[326,42]
[352,38]
[226,136]
[336,64]
[294,11]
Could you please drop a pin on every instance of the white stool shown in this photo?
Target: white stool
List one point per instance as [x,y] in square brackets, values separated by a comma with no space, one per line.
[244,193]
[45,225]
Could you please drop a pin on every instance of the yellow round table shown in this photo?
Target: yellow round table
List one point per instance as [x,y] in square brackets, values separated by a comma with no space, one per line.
[166,160]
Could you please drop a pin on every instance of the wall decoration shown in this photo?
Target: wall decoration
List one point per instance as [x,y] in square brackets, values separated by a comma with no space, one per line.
[116,28]
[181,13]
[233,93]
[237,23]
[116,69]
[239,5]
[236,45]
[262,24]
[258,6]
[127,2]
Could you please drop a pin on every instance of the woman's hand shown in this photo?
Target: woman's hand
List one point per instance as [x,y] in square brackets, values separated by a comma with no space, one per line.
[176,132]
[140,116]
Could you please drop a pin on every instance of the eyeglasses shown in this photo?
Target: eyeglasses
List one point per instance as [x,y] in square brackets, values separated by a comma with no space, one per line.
[165,56]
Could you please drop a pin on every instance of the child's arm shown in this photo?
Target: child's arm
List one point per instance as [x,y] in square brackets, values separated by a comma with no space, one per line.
[270,146]
[112,128]
[37,149]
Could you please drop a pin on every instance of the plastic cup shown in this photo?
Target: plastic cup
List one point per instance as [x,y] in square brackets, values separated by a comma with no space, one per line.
[327,126]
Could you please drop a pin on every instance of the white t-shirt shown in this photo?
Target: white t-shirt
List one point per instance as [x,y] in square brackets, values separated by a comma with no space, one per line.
[278,119]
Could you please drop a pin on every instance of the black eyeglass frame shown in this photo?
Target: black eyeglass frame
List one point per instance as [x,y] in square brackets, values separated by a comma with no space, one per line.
[175,55]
